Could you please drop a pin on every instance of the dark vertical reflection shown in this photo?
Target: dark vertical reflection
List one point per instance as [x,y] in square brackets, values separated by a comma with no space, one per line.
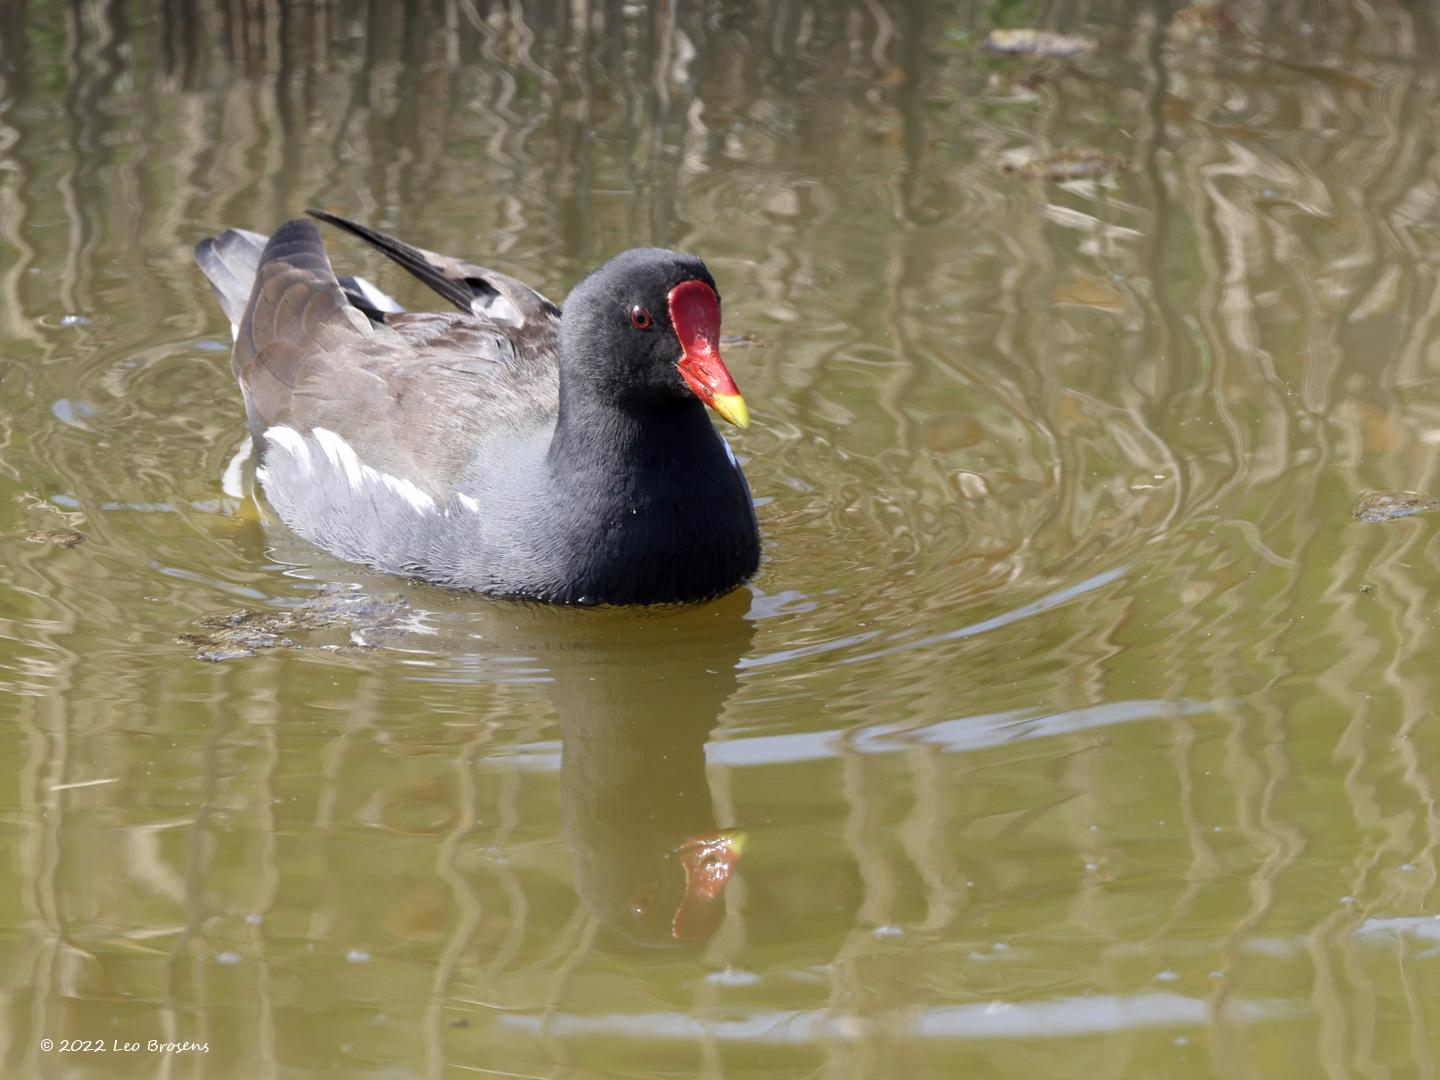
[1165,337]
[179,38]
[914,50]
[573,111]
[15,53]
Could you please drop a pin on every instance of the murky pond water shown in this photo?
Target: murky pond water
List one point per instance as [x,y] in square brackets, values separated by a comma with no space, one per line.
[1075,725]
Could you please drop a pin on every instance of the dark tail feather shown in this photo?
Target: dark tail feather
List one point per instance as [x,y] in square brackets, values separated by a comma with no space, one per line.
[295,317]
[475,290]
[297,245]
[230,262]
[423,264]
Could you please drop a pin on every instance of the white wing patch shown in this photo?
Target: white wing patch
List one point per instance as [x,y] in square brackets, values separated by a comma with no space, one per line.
[341,455]
[292,442]
[342,459]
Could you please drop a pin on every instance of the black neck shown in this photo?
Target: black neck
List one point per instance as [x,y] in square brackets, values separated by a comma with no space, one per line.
[654,509]
[625,441]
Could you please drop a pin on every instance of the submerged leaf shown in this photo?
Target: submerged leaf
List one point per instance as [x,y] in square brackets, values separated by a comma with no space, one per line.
[57,537]
[1378,506]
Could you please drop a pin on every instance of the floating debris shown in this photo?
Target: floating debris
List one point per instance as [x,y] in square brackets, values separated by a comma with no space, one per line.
[340,607]
[55,537]
[213,650]
[242,632]
[75,320]
[245,617]
[236,635]
[260,635]
[1380,506]
[1037,43]
[1076,163]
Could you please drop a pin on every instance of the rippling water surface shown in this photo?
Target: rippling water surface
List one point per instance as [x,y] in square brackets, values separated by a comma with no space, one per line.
[1073,726]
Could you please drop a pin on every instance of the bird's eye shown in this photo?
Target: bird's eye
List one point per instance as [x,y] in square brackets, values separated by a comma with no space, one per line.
[640,318]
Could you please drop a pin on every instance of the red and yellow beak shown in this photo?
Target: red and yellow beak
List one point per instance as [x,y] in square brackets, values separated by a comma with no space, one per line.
[695,315]
[709,860]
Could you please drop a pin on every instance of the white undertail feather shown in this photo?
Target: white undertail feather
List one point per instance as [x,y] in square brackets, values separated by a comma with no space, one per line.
[374,297]
[498,308]
[233,482]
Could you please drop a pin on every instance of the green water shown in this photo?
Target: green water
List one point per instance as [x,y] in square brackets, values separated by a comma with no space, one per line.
[1074,726]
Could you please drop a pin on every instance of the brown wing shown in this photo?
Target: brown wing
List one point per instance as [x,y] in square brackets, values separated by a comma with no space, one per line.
[296,324]
[416,397]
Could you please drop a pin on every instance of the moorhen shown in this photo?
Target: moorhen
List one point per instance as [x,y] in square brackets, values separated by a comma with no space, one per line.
[509,447]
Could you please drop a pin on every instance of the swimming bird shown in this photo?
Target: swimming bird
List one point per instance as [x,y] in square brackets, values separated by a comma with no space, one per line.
[509,447]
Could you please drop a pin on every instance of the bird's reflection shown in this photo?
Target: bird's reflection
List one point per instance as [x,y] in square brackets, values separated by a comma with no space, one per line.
[638,694]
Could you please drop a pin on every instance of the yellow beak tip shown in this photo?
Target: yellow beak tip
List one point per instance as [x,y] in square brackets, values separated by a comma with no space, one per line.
[732,407]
